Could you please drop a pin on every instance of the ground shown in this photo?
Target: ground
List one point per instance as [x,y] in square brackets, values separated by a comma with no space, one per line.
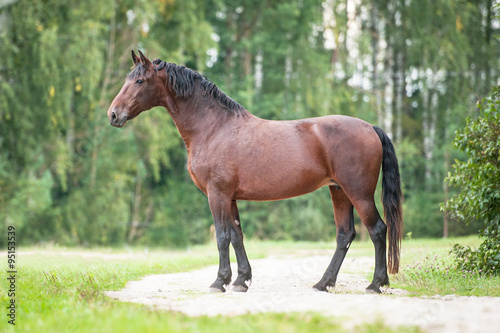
[283,283]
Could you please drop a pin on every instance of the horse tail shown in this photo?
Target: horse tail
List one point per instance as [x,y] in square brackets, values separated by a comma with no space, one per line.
[391,199]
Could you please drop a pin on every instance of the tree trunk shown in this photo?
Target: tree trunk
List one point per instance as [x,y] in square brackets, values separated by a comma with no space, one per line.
[137,207]
[103,99]
[446,191]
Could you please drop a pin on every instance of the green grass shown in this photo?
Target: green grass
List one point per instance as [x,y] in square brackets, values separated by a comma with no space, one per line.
[61,290]
[427,269]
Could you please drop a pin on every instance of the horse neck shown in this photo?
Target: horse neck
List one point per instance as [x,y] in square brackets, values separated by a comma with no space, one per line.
[198,119]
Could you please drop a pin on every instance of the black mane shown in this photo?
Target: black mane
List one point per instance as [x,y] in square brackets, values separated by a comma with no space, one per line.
[182,81]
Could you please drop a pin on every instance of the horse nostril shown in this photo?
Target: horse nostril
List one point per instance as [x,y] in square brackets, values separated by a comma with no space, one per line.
[113,115]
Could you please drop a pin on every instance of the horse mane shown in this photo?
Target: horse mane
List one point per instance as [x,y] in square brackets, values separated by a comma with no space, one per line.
[182,81]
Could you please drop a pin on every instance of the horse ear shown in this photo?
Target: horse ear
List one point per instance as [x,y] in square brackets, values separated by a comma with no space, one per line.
[135,59]
[145,61]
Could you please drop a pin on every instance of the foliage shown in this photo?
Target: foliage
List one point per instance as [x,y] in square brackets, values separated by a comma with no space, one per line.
[479,181]
[67,177]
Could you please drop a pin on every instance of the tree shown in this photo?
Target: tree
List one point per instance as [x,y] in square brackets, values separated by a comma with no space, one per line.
[478,179]
[67,177]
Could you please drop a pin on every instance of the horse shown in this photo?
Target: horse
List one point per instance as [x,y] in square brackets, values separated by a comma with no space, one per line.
[234,155]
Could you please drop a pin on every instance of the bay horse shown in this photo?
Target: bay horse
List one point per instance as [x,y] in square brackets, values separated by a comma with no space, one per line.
[234,155]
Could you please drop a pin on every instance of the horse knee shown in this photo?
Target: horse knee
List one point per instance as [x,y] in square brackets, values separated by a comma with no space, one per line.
[345,237]
[223,237]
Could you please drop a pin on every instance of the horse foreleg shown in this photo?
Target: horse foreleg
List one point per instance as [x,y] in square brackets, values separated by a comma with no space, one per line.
[244,270]
[344,222]
[221,212]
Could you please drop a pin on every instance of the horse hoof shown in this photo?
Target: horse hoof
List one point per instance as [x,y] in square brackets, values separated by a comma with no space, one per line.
[213,290]
[239,288]
[372,290]
[318,287]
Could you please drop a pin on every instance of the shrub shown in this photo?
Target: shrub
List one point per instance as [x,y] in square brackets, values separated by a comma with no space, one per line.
[478,179]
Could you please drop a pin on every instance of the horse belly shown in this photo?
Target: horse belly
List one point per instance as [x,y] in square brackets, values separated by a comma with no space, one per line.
[281,175]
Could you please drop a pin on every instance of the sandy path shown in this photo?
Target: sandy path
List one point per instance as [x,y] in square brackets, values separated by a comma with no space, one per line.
[284,285]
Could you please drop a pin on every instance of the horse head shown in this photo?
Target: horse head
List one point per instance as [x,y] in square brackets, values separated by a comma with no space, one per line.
[141,91]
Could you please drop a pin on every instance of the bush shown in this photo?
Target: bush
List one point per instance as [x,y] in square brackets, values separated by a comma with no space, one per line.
[479,181]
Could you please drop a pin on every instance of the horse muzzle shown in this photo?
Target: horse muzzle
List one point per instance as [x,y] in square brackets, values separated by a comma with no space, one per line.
[117,119]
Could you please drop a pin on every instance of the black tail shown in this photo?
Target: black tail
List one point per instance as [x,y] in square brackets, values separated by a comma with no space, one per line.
[391,198]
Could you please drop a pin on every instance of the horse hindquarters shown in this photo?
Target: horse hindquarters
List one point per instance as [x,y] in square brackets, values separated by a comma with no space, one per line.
[357,152]
[365,206]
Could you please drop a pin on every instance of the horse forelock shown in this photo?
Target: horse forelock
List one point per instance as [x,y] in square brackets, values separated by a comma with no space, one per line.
[137,71]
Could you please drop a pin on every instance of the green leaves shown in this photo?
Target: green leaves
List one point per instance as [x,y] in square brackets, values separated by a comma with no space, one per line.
[478,179]
[479,175]
[63,65]
[64,61]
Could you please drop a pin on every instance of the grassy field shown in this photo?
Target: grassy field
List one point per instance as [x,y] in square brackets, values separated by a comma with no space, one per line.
[427,269]
[61,290]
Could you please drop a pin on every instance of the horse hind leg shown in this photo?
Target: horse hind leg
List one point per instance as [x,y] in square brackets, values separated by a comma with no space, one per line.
[344,222]
[378,234]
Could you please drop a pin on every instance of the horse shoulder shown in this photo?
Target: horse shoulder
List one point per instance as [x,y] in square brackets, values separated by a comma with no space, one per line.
[210,163]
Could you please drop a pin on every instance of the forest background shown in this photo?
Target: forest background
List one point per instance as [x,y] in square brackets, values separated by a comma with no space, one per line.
[414,68]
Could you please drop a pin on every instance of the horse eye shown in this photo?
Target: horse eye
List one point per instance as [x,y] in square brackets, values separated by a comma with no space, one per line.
[139,81]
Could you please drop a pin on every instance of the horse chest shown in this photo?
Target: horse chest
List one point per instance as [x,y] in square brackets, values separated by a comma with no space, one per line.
[196,175]
[211,171]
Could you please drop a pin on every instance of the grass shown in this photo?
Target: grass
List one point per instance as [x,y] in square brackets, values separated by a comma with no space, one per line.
[427,269]
[56,292]
[61,290]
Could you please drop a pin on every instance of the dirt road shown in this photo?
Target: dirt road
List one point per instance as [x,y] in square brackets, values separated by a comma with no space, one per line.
[284,285]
